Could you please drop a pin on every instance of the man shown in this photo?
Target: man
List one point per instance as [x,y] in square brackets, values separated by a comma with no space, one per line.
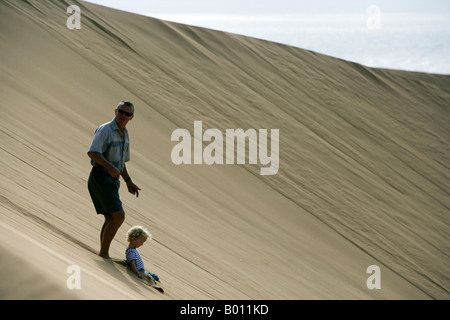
[109,151]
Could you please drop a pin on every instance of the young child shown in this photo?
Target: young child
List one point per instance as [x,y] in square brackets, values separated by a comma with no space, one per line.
[137,235]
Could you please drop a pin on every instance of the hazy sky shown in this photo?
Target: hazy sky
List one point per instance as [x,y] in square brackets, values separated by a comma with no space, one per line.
[409,34]
[273,6]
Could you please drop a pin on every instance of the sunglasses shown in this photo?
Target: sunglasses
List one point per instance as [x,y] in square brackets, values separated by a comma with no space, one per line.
[128,114]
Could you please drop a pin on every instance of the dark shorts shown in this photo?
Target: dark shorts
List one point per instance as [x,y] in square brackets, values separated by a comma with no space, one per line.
[104,191]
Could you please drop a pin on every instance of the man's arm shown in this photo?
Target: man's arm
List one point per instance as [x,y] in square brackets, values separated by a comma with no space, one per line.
[132,188]
[101,160]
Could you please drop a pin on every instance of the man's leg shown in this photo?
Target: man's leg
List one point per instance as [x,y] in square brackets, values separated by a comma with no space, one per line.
[110,226]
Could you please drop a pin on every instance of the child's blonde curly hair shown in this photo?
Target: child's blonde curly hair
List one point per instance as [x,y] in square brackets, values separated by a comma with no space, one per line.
[138,232]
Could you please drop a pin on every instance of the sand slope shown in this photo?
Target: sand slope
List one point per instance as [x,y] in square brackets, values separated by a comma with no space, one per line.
[363,176]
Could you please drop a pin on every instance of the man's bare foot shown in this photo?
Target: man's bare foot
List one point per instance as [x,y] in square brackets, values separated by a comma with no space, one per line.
[104,256]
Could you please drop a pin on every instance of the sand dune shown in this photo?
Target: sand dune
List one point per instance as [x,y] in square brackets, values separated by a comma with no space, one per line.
[363,176]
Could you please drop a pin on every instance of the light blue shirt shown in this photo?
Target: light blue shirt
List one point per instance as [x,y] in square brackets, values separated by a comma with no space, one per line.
[113,145]
[133,254]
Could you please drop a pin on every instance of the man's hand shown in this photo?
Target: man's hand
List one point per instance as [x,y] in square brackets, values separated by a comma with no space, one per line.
[114,172]
[132,188]
[101,160]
